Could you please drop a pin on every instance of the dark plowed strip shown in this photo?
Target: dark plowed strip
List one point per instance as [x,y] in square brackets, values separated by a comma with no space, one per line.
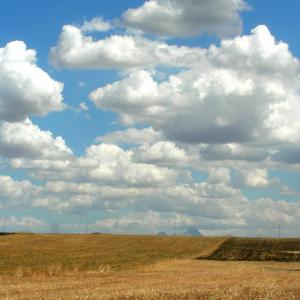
[257,249]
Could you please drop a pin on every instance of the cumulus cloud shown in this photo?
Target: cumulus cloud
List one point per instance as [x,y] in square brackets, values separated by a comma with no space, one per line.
[176,18]
[211,199]
[244,97]
[110,162]
[144,222]
[233,151]
[83,106]
[214,204]
[267,212]
[105,163]
[16,193]
[238,101]
[77,197]
[219,175]
[162,152]
[96,24]
[131,136]
[25,89]
[255,178]
[254,218]
[75,50]
[26,140]
[13,223]
[190,107]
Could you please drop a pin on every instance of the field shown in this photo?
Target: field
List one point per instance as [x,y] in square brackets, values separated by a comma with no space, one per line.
[258,249]
[141,267]
[35,253]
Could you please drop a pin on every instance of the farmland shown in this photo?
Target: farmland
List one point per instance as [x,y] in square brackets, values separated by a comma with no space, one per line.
[258,249]
[141,267]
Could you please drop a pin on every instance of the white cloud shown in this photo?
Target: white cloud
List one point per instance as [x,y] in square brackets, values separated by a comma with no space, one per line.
[78,51]
[238,101]
[83,106]
[149,222]
[208,199]
[162,152]
[219,175]
[266,212]
[26,140]
[258,53]
[214,205]
[251,218]
[287,191]
[253,178]
[177,18]
[81,197]
[25,89]
[131,136]
[106,164]
[16,193]
[245,97]
[110,162]
[13,223]
[96,24]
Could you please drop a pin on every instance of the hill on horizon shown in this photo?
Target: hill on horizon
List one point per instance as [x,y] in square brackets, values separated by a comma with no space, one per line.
[193,232]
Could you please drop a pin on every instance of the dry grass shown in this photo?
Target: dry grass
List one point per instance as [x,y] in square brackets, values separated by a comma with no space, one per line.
[174,279]
[30,254]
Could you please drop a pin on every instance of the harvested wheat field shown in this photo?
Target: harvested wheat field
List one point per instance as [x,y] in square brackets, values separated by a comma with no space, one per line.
[40,253]
[135,267]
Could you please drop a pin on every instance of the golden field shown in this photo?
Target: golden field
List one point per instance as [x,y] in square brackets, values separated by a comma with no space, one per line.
[135,267]
[39,253]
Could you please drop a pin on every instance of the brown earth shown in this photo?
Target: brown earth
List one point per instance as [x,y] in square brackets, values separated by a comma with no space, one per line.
[258,249]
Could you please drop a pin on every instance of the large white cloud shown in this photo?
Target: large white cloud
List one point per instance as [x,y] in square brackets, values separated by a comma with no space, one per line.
[212,199]
[177,18]
[105,163]
[255,218]
[236,102]
[110,162]
[24,139]
[246,94]
[25,89]
[16,193]
[214,206]
[78,51]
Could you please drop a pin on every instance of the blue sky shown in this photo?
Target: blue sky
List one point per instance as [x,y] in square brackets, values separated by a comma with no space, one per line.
[153,123]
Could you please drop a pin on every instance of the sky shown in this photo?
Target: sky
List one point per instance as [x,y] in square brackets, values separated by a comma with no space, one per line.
[145,116]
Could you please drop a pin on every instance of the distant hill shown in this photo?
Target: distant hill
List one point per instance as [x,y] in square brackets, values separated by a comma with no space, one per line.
[193,232]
